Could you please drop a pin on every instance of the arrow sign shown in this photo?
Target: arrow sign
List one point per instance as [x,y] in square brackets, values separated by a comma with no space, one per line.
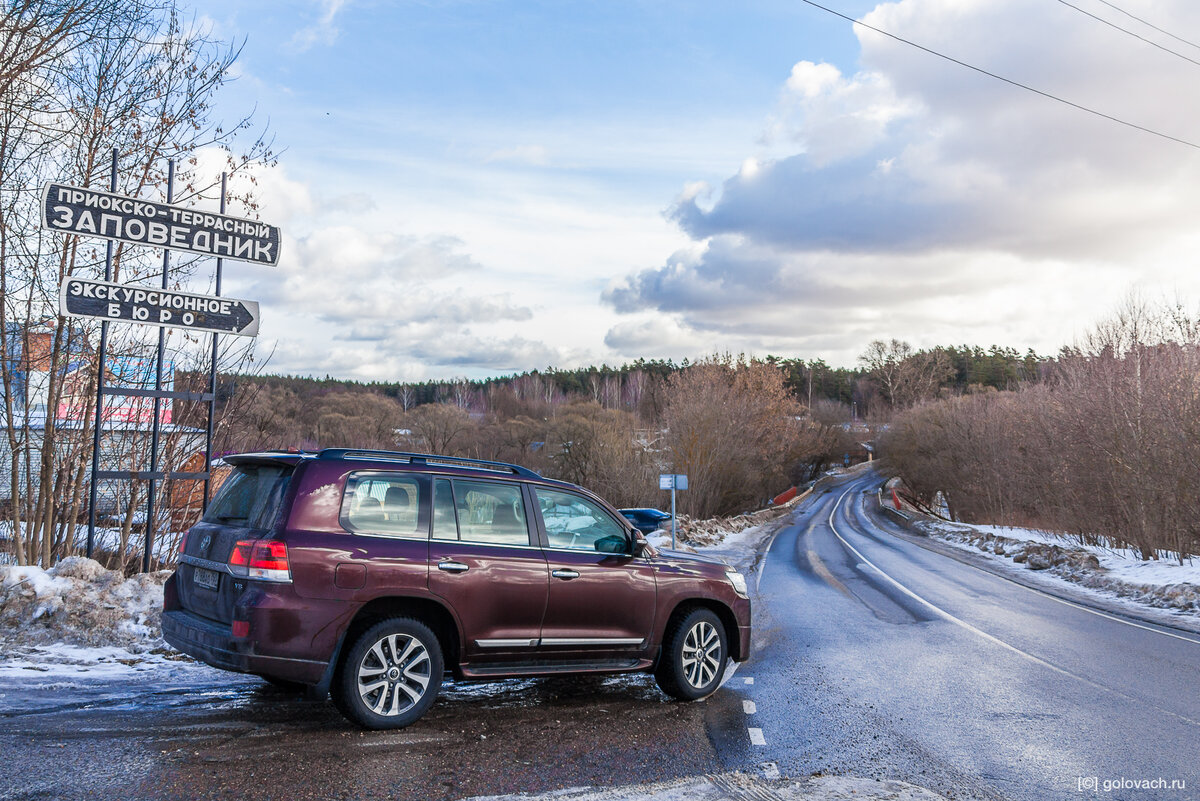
[72,210]
[128,303]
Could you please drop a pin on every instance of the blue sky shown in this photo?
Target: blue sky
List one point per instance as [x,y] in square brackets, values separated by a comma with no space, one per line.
[476,188]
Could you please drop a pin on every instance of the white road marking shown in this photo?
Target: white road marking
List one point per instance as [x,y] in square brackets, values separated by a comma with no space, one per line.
[762,565]
[756,737]
[748,707]
[979,632]
[1072,604]
[749,680]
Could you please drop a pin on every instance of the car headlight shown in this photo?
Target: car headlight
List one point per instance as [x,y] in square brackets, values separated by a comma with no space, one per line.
[739,583]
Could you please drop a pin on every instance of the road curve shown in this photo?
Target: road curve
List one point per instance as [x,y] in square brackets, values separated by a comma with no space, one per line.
[878,657]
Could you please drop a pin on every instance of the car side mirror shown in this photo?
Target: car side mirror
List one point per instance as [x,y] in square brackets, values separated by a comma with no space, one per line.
[642,546]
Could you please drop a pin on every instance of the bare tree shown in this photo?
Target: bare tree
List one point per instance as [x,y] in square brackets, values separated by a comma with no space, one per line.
[732,427]
[1104,451]
[76,81]
[440,427]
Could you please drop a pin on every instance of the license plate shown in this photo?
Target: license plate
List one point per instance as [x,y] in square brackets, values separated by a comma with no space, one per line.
[203,577]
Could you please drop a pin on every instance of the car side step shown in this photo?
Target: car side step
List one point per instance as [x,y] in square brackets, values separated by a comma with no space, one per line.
[548,668]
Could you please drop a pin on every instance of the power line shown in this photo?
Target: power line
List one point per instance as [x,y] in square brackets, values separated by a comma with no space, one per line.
[1010,81]
[1131,33]
[1149,24]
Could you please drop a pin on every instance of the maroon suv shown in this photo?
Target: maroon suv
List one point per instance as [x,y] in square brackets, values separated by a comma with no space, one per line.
[368,574]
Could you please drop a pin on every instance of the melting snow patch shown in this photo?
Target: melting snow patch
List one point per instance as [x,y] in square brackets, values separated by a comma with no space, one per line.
[51,666]
[81,603]
[737,786]
[1111,573]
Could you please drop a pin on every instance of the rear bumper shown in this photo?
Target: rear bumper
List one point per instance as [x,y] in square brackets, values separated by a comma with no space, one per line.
[214,644]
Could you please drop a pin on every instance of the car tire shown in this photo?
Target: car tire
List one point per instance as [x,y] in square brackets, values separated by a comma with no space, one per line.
[693,656]
[391,674]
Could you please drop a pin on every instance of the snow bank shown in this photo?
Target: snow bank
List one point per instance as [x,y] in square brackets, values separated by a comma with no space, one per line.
[1116,572]
[737,786]
[79,602]
[717,530]
[736,540]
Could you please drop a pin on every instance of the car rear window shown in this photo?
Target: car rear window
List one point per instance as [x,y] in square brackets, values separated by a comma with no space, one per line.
[251,497]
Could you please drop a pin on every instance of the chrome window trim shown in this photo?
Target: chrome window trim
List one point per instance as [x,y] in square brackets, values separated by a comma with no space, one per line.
[435,541]
[592,552]
[388,535]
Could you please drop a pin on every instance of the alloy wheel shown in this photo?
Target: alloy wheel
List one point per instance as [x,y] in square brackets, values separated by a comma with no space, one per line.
[702,655]
[394,674]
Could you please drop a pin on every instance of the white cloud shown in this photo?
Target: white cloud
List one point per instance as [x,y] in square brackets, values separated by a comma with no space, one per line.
[323,31]
[915,198]
[355,294]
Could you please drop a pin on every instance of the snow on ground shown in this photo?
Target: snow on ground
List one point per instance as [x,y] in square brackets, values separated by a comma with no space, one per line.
[737,786]
[1113,574]
[80,602]
[1121,563]
[735,540]
[738,549]
[58,661]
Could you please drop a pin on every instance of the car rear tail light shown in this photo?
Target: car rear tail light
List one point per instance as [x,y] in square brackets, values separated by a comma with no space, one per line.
[183,544]
[239,558]
[260,559]
[241,628]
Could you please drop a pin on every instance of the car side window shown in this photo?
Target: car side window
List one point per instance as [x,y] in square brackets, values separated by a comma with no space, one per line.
[387,503]
[487,512]
[578,523]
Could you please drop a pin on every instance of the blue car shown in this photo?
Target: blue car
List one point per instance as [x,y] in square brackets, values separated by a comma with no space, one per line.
[646,520]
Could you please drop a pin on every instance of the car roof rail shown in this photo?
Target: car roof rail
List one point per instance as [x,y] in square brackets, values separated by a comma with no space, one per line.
[427,459]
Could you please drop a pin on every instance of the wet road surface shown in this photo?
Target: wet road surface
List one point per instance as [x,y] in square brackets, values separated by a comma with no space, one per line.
[882,658]
[230,736]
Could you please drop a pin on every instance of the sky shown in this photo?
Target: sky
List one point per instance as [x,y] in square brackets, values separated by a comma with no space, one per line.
[474,188]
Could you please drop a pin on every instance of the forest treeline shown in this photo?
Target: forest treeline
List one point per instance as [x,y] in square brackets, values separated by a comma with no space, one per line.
[868,386]
[743,429]
[1104,447]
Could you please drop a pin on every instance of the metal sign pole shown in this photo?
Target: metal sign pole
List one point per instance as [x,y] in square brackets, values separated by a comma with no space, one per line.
[673,547]
[102,352]
[158,376]
[212,383]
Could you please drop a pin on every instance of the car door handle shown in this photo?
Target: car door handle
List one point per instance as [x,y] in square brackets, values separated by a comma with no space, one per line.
[453,567]
[565,574]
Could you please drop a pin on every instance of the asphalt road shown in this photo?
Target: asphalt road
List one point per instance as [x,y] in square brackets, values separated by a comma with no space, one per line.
[874,657]
[212,735]
[878,657]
